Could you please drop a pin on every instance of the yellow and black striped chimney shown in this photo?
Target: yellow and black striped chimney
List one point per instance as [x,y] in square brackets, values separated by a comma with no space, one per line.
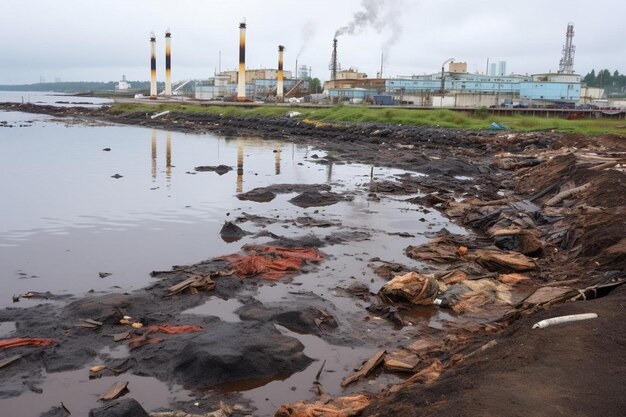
[168,63]
[279,75]
[153,81]
[241,86]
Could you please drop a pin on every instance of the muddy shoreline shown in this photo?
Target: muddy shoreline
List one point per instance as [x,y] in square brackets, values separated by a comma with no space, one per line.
[546,213]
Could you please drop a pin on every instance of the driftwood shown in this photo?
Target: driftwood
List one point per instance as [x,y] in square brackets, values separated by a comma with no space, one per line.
[567,193]
[116,390]
[193,284]
[401,360]
[365,369]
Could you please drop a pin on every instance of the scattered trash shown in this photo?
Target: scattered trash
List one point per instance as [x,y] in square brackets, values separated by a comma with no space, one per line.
[412,287]
[171,329]
[401,360]
[163,113]
[426,376]
[17,342]
[194,284]
[497,126]
[351,405]
[8,361]
[566,194]
[365,369]
[116,390]
[137,341]
[564,319]
[271,262]
[118,337]
[496,260]
[104,274]
[89,324]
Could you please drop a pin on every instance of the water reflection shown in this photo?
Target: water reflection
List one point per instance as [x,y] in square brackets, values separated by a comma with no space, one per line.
[277,153]
[329,171]
[154,155]
[239,187]
[168,156]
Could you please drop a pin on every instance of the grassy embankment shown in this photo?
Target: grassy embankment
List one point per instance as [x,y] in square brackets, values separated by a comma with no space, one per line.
[476,120]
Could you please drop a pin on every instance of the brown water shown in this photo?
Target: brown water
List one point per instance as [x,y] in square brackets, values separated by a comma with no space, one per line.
[64,219]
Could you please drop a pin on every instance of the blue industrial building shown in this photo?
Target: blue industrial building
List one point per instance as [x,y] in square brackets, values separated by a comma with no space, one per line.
[462,89]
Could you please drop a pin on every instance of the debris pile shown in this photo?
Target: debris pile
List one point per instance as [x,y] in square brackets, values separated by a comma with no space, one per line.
[271,262]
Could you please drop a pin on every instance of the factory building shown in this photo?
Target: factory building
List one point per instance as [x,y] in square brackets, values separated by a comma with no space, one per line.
[260,83]
[458,88]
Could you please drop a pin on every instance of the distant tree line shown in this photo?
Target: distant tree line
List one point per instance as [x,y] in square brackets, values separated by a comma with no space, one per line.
[77,86]
[613,83]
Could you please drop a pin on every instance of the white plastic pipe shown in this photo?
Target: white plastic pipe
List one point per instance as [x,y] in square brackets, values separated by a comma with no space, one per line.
[564,319]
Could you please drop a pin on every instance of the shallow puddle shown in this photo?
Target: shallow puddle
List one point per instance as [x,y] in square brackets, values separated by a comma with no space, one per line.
[80,394]
[214,306]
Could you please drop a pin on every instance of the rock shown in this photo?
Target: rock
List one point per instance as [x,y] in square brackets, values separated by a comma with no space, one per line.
[315,199]
[231,232]
[220,169]
[105,309]
[117,176]
[226,352]
[299,319]
[127,407]
[55,412]
[259,195]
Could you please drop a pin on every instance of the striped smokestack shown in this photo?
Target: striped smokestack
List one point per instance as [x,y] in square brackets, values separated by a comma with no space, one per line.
[279,75]
[168,63]
[241,87]
[153,81]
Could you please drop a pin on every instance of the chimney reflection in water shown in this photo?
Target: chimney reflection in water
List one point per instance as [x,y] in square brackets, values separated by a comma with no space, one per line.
[154,155]
[168,156]
[277,154]
[329,171]
[239,187]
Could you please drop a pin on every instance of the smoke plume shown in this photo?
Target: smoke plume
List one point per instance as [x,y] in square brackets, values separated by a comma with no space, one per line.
[381,15]
[307,34]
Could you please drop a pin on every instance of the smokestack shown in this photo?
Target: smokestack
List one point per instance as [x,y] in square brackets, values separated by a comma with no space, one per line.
[334,60]
[168,63]
[153,82]
[241,88]
[279,75]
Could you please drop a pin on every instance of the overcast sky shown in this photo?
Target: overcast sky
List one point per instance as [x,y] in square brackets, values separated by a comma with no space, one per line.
[89,40]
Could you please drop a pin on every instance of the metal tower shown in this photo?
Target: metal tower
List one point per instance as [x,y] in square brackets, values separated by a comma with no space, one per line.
[566,65]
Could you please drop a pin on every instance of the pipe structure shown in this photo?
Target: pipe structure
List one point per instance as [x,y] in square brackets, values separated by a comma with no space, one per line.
[334,61]
[153,81]
[280,90]
[241,86]
[168,63]
[443,77]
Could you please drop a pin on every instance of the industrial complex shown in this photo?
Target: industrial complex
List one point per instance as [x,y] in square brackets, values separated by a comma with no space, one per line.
[452,87]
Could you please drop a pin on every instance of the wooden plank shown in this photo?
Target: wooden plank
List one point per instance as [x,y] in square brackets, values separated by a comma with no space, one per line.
[116,390]
[365,369]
